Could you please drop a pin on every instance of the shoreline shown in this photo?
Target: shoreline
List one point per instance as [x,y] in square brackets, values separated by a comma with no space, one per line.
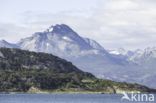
[59,93]
[71,92]
[55,92]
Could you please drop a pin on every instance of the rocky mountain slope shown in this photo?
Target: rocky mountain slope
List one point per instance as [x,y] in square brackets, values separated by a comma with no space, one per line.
[62,41]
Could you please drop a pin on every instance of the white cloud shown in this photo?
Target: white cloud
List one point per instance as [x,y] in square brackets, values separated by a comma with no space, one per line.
[113,23]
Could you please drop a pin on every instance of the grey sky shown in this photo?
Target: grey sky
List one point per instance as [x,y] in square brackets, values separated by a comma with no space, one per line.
[113,23]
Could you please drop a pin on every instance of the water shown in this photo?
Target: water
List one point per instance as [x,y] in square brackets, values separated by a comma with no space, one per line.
[63,98]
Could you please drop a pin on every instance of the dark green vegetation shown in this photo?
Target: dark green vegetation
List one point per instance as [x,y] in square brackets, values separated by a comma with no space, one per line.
[23,71]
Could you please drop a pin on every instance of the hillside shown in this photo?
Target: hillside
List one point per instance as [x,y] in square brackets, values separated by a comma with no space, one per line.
[63,41]
[24,71]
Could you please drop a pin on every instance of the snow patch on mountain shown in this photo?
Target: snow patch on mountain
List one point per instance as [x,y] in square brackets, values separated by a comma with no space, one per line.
[67,39]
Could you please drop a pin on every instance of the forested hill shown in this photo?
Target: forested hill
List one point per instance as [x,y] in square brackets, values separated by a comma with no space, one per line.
[16,59]
[25,71]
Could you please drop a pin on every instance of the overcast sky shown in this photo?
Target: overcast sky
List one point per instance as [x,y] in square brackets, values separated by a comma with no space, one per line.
[130,24]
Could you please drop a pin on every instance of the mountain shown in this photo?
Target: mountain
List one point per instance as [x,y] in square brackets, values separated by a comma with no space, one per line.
[145,62]
[64,42]
[88,55]
[4,43]
[146,56]
[94,44]
[140,57]
[24,71]
[120,51]
[16,59]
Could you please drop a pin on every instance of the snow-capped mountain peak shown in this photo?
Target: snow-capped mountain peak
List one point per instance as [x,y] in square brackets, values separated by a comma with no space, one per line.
[60,29]
[150,51]
[62,41]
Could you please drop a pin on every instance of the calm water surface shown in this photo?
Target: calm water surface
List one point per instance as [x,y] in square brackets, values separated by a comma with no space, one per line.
[63,98]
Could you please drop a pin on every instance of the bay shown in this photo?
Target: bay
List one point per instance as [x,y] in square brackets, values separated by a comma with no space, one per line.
[63,98]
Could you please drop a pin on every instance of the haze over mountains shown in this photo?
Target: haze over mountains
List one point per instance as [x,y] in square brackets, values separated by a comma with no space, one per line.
[120,65]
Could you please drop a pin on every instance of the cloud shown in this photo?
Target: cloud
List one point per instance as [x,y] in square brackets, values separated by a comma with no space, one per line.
[113,23]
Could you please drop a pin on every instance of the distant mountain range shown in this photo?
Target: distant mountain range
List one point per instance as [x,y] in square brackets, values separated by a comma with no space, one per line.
[120,65]
[140,57]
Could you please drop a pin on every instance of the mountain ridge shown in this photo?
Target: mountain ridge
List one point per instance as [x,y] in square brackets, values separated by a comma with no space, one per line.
[90,56]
